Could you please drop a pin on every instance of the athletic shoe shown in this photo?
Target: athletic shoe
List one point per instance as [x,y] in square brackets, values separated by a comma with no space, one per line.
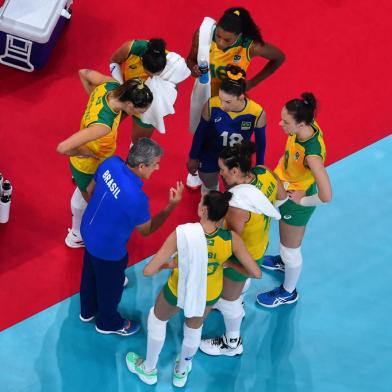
[180,379]
[136,365]
[73,241]
[221,346]
[277,297]
[125,282]
[193,182]
[130,327]
[86,319]
[273,263]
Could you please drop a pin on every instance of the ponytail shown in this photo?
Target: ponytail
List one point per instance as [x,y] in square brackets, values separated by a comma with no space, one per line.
[135,91]
[238,20]
[303,110]
[154,58]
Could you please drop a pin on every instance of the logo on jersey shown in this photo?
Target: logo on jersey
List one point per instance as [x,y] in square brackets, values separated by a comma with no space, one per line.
[236,58]
[218,119]
[210,242]
[296,156]
[287,217]
[246,125]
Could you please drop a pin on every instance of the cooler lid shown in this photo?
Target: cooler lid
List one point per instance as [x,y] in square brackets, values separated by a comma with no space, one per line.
[33,20]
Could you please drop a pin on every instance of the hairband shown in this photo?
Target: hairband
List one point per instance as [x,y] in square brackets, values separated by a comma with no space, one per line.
[235,77]
[140,84]
[236,12]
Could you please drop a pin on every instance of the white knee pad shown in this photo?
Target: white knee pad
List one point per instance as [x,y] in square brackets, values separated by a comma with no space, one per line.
[77,200]
[231,309]
[192,336]
[156,328]
[291,257]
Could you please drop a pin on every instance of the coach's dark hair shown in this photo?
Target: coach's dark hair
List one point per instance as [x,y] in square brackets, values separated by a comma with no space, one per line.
[234,81]
[303,110]
[154,58]
[135,91]
[143,151]
[237,20]
[239,156]
[217,204]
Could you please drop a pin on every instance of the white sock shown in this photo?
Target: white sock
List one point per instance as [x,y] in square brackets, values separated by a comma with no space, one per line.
[292,259]
[156,334]
[190,345]
[78,206]
[233,313]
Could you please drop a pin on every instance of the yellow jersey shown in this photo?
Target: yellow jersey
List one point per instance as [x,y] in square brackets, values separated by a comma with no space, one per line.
[132,67]
[256,230]
[219,244]
[292,168]
[98,111]
[237,54]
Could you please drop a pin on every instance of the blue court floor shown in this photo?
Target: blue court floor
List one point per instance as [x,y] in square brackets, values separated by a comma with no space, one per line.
[336,338]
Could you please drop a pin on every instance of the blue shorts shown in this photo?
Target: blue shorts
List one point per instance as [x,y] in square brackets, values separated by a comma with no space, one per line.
[209,164]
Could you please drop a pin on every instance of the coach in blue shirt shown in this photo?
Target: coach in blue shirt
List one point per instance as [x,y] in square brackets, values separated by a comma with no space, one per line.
[117,206]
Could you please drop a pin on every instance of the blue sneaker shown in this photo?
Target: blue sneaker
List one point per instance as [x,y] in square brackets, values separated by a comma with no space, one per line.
[277,297]
[130,327]
[273,263]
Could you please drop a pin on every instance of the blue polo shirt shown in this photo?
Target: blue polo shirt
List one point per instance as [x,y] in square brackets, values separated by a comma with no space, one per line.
[117,205]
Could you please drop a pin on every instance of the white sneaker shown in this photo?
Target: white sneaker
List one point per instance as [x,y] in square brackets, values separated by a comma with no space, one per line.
[73,241]
[135,365]
[180,379]
[193,182]
[221,346]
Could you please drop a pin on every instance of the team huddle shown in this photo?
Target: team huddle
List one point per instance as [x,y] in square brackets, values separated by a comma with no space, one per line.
[212,260]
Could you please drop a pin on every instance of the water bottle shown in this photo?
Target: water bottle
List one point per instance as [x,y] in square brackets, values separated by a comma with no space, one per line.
[6,188]
[203,67]
[5,201]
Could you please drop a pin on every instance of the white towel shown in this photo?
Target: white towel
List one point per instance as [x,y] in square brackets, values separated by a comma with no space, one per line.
[192,269]
[163,87]
[201,92]
[249,198]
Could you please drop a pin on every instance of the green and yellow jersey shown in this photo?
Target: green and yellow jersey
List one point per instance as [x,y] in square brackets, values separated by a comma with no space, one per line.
[132,67]
[256,230]
[98,111]
[292,168]
[237,54]
[219,244]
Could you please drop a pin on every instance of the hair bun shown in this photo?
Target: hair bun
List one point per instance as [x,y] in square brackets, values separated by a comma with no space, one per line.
[157,46]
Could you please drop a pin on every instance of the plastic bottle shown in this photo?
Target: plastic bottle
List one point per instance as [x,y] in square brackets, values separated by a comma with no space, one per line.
[203,67]
[5,201]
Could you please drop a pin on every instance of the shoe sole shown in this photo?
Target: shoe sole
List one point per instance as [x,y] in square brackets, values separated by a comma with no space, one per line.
[272,268]
[73,245]
[228,354]
[134,371]
[86,320]
[115,332]
[281,303]
[182,385]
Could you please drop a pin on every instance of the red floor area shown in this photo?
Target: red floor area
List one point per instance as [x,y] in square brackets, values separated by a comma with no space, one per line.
[335,48]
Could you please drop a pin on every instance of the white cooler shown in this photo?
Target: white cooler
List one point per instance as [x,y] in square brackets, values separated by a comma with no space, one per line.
[29,30]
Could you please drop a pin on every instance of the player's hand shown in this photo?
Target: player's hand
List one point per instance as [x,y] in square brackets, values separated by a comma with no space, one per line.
[195,71]
[192,165]
[175,194]
[296,196]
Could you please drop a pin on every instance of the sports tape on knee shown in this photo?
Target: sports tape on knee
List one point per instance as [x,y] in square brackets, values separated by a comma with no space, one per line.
[291,257]
[231,309]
